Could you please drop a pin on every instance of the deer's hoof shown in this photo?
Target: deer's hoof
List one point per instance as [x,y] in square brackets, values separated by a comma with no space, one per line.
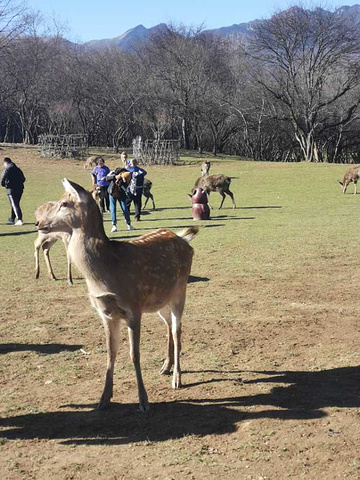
[70,282]
[176,383]
[165,371]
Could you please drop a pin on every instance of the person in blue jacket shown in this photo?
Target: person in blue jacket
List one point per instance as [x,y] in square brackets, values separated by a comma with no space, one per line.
[99,175]
[13,180]
[136,187]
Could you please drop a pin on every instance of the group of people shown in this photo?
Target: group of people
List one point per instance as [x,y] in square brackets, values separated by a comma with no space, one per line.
[124,185]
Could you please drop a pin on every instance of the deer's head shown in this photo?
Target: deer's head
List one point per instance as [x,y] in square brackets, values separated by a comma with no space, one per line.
[75,209]
[205,168]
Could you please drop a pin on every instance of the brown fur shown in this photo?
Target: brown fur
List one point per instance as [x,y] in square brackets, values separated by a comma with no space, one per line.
[91,162]
[215,183]
[352,175]
[205,168]
[126,279]
[147,193]
[46,241]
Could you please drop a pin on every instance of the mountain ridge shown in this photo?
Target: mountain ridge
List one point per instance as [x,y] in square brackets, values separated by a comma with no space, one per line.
[140,34]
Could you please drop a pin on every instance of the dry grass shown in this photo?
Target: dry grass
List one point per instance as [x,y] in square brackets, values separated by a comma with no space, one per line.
[270,347]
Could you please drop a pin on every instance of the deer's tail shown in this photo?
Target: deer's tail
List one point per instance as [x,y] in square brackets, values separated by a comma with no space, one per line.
[188,233]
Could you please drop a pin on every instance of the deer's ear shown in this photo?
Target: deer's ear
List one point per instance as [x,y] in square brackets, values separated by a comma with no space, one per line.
[74,189]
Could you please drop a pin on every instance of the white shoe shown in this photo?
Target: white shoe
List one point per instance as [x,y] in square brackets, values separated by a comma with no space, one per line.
[19,223]
[130,227]
[114,229]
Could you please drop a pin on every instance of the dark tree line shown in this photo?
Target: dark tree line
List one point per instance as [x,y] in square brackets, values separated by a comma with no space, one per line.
[290,91]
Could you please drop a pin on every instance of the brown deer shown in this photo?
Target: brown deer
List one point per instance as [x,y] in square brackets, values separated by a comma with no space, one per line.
[125,279]
[215,183]
[147,192]
[352,175]
[97,194]
[46,241]
[205,168]
[91,162]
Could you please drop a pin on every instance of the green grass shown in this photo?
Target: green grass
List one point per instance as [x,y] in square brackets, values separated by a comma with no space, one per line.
[282,295]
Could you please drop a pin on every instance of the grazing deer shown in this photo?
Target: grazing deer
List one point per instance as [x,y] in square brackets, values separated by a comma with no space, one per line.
[215,183]
[91,162]
[126,279]
[352,175]
[205,168]
[147,193]
[46,241]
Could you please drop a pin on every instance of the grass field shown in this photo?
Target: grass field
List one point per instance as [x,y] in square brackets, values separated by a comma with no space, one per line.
[271,337]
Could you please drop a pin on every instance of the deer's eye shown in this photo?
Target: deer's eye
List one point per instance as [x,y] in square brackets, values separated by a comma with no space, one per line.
[63,204]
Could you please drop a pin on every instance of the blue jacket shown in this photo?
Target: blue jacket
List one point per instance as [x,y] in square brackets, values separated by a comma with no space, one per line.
[137,180]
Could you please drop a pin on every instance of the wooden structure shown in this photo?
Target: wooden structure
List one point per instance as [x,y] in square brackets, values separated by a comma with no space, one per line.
[156,152]
[63,146]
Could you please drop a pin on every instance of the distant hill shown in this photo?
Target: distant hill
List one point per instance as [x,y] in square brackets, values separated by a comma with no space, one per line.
[137,35]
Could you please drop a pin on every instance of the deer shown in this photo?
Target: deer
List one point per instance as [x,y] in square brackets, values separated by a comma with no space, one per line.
[215,183]
[205,168]
[147,193]
[97,194]
[352,175]
[91,162]
[46,241]
[125,279]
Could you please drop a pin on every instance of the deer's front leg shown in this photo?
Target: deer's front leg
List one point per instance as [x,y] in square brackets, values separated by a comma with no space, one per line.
[176,314]
[134,339]
[112,333]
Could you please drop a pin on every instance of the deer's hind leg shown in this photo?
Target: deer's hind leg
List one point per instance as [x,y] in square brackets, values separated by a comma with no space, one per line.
[177,308]
[69,270]
[37,245]
[231,195]
[355,187]
[165,315]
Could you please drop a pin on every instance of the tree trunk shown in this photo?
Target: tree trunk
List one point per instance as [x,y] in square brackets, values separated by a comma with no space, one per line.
[185,134]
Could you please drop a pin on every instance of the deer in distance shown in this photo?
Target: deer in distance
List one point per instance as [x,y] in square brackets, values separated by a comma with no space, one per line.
[215,183]
[46,241]
[352,175]
[205,168]
[125,279]
[91,162]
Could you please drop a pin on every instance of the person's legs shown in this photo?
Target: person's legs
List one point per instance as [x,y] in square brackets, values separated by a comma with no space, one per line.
[14,199]
[112,209]
[125,210]
[137,206]
[102,199]
[107,201]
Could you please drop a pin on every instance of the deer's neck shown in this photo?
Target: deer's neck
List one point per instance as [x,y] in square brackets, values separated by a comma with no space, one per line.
[89,252]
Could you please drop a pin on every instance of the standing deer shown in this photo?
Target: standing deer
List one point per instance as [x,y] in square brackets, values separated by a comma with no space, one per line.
[46,241]
[125,279]
[215,183]
[147,192]
[352,175]
[205,168]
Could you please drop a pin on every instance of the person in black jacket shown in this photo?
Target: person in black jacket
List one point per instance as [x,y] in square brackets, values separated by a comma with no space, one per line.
[13,180]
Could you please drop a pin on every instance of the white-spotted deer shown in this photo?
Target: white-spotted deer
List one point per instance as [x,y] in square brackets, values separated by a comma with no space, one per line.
[46,241]
[352,175]
[215,183]
[205,168]
[126,279]
[147,192]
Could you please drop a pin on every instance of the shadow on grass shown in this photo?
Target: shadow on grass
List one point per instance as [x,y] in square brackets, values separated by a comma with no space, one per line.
[46,349]
[193,279]
[17,233]
[303,397]
[260,208]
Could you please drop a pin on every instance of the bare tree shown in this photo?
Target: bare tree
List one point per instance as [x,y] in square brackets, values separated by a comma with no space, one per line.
[308,61]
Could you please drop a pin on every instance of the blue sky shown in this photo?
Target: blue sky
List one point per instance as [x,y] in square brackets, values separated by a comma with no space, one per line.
[93,19]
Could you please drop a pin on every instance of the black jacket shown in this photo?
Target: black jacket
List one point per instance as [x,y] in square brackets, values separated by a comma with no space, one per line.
[13,179]
[111,178]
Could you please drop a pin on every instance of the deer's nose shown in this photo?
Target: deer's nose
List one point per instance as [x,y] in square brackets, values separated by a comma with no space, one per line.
[36,224]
